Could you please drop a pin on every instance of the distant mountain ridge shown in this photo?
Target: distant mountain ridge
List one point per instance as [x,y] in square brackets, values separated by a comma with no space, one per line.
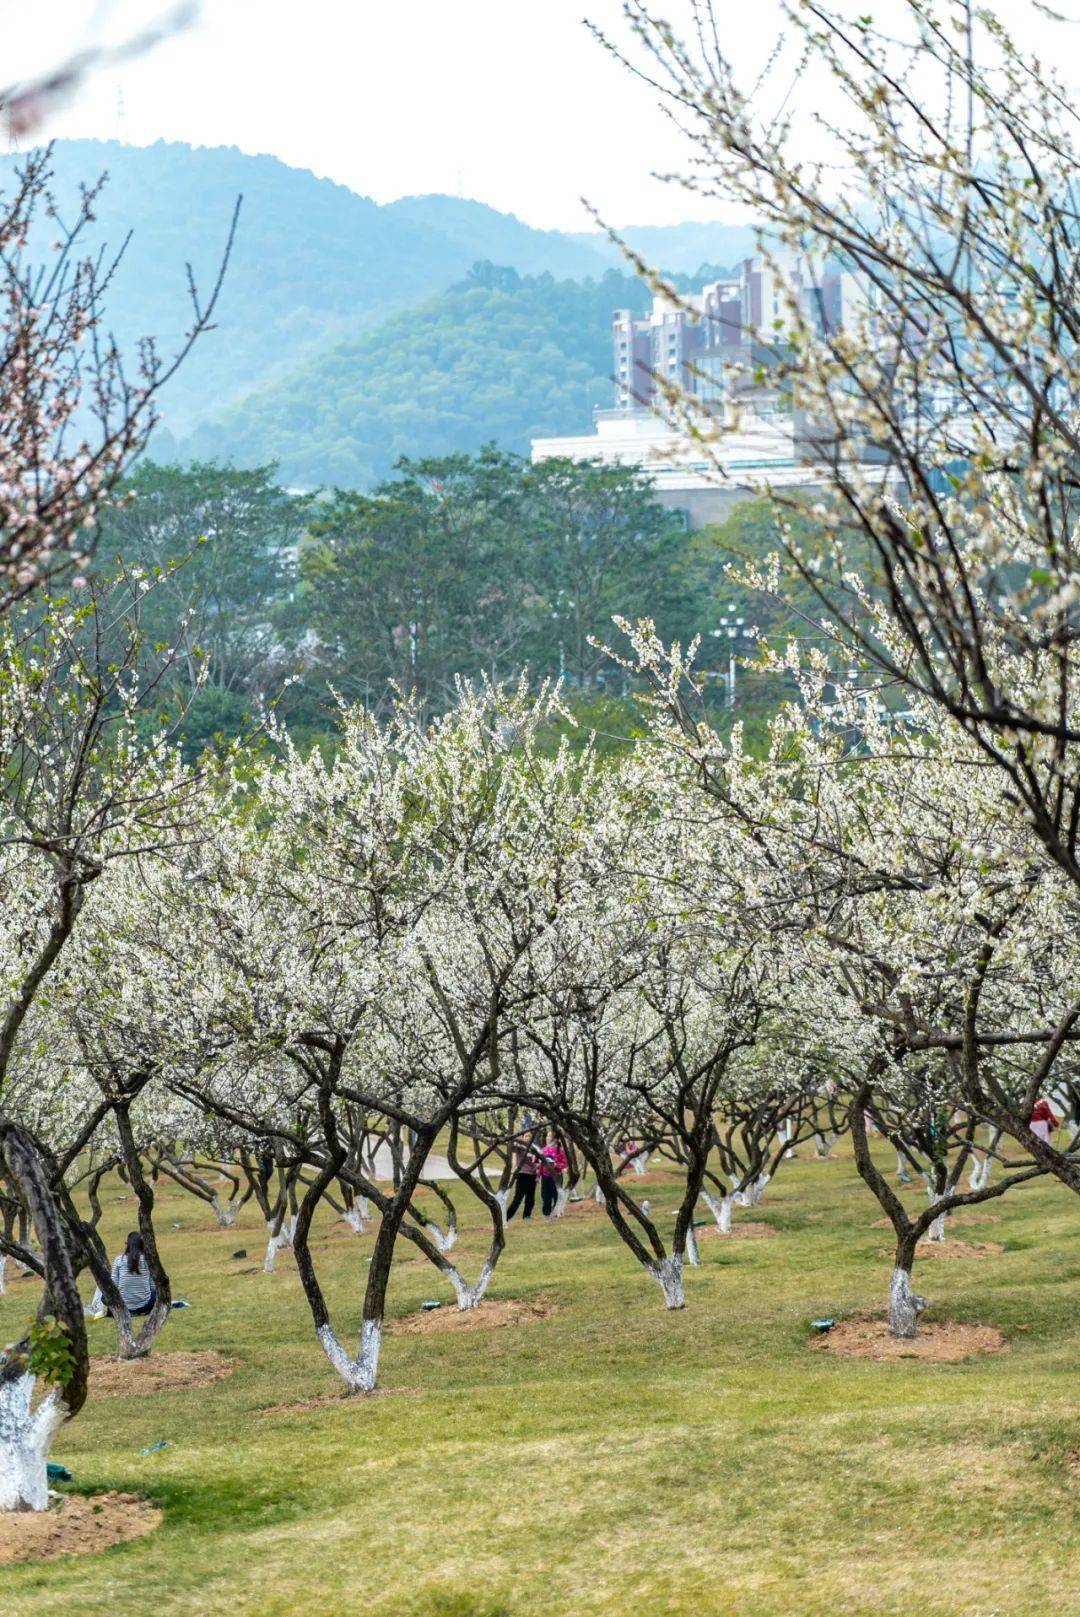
[502,238]
[317,269]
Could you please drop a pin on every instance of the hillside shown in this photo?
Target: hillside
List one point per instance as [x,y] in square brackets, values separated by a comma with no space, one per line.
[313,261]
[497,356]
[312,359]
[485,233]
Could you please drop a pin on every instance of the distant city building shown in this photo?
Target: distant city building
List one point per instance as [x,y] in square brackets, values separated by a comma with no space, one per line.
[705,342]
[713,346]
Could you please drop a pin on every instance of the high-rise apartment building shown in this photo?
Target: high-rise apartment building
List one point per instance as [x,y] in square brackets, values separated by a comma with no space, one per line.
[695,343]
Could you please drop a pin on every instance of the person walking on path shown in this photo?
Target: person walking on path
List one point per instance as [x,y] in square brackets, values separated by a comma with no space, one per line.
[526,1168]
[552,1167]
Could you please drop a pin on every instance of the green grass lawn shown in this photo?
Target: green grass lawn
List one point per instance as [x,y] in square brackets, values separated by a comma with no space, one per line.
[611,1458]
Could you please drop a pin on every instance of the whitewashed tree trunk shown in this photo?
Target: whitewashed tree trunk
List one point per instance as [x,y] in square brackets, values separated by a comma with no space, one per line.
[669,1276]
[470,1296]
[690,1250]
[936,1232]
[787,1132]
[823,1143]
[598,1196]
[640,1162]
[503,1198]
[905,1306]
[25,1437]
[3,1267]
[561,1199]
[446,1240]
[757,1189]
[275,1239]
[358,1374]
[225,1212]
[721,1210]
[354,1218]
[979,1177]
[281,1236]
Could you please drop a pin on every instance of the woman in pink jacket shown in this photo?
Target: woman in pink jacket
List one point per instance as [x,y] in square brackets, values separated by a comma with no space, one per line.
[553,1161]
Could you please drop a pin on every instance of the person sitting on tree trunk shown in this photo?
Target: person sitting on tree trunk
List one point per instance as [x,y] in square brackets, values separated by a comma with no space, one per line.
[131,1277]
[552,1167]
[526,1166]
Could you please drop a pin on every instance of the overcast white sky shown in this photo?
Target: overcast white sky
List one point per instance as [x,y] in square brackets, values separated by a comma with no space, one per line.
[508,101]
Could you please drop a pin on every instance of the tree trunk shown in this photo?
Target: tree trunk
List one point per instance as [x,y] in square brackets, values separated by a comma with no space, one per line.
[667,1272]
[905,1306]
[25,1436]
[225,1212]
[721,1210]
[280,1233]
[359,1374]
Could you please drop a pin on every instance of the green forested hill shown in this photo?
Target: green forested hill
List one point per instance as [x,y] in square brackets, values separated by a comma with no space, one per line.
[313,262]
[313,360]
[497,356]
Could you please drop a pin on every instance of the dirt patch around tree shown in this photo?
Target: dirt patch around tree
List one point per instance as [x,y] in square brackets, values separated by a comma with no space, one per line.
[748,1231]
[945,1341]
[76,1524]
[159,1372]
[954,1221]
[937,1250]
[488,1315]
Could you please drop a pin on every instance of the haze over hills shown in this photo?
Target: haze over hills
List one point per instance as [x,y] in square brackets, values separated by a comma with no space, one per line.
[484,233]
[681,249]
[310,361]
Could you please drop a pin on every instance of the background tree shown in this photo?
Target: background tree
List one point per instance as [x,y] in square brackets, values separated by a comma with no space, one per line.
[947,188]
[603,545]
[222,545]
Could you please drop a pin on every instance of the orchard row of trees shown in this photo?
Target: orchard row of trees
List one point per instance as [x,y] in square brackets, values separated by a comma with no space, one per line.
[273,963]
[278,957]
